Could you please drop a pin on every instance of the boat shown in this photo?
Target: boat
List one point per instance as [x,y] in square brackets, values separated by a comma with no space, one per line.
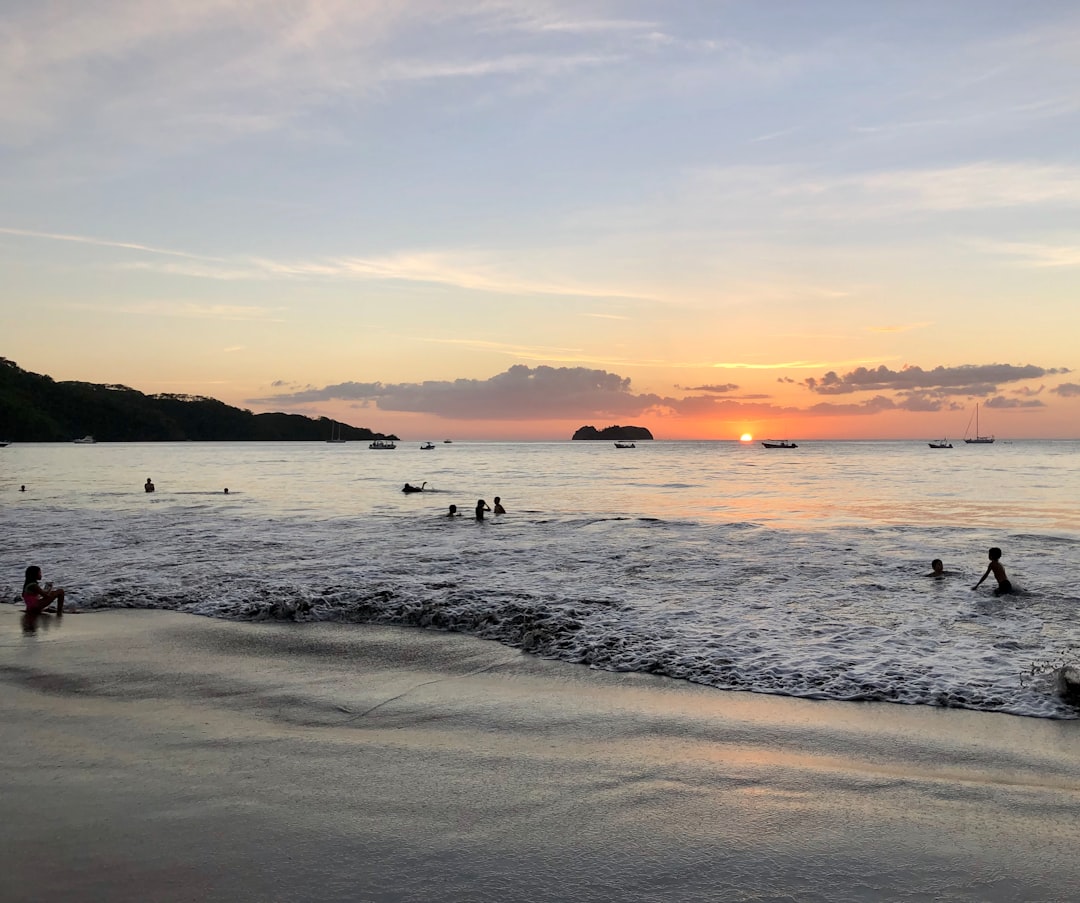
[427,446]
[779,443]
[447,441]
[335,434]
[625,445]
[383,445]
[944,443]
[85,440]
[4,444]
[977,439]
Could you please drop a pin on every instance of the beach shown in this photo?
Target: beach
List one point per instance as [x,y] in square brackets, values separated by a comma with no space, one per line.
[161,756]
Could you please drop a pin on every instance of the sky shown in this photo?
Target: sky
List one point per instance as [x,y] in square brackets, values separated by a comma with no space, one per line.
[505,219]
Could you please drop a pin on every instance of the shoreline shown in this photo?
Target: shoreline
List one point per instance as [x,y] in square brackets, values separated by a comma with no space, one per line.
[156,755]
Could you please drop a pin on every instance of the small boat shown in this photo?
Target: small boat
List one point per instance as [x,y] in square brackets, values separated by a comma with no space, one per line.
[977,439]
[944,443]
[85,440]
[447,441]
[4,444]
[427,446]
[625,445]
[382,445]
[779,443]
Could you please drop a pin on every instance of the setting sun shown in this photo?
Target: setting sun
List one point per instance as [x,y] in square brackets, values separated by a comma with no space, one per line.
[746,437]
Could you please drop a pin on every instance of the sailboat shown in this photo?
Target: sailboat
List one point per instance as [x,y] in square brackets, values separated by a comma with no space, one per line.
[977,439]
[335,434]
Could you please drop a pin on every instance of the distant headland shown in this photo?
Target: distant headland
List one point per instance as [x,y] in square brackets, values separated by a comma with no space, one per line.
[35,408]
[613,432]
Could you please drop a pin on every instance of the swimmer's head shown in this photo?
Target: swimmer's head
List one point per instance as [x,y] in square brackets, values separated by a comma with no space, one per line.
[937,566]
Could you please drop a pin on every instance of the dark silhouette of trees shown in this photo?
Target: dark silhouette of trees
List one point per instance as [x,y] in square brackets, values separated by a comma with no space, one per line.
[36,408]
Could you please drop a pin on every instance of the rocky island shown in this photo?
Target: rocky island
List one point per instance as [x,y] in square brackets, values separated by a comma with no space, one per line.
[618,433]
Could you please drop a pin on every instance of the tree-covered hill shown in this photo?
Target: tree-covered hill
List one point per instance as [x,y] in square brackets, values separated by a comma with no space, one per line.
[36,408]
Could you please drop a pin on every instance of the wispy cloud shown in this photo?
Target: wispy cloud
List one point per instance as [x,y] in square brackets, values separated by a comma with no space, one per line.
[1033,254]
[106,243]
[461,269]
[186,310]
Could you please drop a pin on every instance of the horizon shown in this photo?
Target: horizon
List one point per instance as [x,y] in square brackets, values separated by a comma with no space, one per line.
[504,221]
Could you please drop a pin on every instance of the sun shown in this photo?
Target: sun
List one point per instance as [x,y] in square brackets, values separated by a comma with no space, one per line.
[746,437]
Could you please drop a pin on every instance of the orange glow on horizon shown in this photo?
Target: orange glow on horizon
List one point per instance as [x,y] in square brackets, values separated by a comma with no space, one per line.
[746,437]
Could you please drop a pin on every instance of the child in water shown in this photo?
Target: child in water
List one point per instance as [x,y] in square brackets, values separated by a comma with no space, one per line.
[995,568]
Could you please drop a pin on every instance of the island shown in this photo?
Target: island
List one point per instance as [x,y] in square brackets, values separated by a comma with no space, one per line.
[36,408]
[619,433]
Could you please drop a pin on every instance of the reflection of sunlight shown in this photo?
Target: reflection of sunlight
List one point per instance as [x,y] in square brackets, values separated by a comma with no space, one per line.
[746,437]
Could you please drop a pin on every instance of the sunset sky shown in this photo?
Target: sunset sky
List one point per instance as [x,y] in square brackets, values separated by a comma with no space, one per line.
[509,218]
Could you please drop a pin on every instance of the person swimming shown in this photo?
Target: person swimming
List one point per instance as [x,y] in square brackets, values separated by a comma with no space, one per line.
[995,568]
[498,509]
[408,487]
[148,486]
[481,507]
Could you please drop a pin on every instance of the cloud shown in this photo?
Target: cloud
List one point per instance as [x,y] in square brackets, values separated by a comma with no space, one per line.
[184,73]
[186,310]
[519,393]
[1033,254]
[1067,390]
[1000,401]
[553,393]
[723,389]
[964,380]
[904,327]
[473,270]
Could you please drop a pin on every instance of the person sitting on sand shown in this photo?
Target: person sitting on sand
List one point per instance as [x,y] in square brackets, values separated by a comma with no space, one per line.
[38,597]
[481,507]
[995,568]
[410,488]
[498,509]
[453,512]
[148,486]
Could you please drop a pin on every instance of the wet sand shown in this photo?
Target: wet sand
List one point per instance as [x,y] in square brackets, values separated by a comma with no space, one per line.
[157,756]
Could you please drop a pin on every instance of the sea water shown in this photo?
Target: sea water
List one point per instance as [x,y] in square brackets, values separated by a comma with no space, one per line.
[801,572]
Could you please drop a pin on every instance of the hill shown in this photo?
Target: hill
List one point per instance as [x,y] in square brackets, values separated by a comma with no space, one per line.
[36,408]
[622,433]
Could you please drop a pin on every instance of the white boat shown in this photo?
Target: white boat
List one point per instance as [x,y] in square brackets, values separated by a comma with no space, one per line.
[977,439]
[427,446]
[85,440]
[944,443]
[624,445]
[779,443]
[383,445]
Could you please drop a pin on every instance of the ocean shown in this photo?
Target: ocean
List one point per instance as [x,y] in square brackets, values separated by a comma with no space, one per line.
[799,572]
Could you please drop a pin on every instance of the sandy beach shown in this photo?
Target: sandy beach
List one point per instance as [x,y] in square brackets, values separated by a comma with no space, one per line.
[165,757]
